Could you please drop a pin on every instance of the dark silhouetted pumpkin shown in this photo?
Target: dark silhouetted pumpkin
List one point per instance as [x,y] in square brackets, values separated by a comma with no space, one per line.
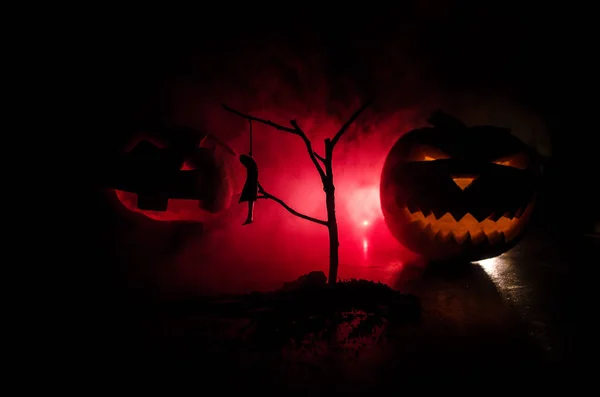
[451,192]
[171,183]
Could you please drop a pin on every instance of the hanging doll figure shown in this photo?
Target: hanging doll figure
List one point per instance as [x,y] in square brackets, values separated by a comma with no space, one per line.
[250,190]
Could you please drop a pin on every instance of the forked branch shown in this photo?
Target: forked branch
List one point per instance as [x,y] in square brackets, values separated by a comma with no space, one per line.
[344,128]
[310,150]
[296,130]
[265,195]
[321,158]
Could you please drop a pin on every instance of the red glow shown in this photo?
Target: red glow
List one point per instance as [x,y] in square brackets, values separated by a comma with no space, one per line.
[278,246]
[363,204]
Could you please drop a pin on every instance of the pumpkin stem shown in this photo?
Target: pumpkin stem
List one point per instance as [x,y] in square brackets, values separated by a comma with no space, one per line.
[440,119]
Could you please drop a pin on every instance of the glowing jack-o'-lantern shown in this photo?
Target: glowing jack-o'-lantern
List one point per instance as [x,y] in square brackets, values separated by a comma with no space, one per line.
[451,192]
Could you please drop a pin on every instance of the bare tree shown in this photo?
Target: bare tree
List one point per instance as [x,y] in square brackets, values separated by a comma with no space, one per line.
[325,173]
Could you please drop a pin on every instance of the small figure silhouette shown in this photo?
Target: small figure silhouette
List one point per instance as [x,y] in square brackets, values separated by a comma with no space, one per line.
[250,190]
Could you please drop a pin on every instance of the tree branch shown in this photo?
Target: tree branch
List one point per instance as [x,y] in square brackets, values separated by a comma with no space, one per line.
[263,121]
[296,130]
[268,196]
[311,152]
[342,130]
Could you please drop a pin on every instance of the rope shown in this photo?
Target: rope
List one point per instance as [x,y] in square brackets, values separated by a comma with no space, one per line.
[250,153]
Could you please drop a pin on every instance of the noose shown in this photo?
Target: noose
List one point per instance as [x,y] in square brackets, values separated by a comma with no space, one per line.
[250,190]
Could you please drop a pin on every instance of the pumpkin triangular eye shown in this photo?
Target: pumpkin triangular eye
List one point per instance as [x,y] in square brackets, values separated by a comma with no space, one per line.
[519,160]
[426,153]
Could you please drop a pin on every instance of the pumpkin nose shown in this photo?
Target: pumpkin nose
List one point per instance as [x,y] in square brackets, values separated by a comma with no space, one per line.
[463,182]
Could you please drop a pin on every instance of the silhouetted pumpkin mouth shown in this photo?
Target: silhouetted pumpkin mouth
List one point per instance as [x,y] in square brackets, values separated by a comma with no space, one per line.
[447,228]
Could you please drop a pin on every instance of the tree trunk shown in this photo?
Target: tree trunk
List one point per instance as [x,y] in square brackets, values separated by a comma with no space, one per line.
[334,242]
[332,227]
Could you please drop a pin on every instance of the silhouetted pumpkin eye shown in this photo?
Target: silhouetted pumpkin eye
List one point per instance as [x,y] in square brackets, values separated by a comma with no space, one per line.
[518,160]
[427,153]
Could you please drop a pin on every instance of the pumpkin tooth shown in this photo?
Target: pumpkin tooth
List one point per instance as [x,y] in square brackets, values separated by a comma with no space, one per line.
[417,216]
[447,219]
[502,238]
[477,237]
[494,237]
[441,236]
[430,218]
[460,236]
[504,223]
[487,225]
[468,219]
[447,235]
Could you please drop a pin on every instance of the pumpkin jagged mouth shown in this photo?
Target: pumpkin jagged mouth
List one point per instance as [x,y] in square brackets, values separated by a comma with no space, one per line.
[446,227]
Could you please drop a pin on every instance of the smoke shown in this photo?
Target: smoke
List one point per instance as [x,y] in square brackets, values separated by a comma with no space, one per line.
[320,85]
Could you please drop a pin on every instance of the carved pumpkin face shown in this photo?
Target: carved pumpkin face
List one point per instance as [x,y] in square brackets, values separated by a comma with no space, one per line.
[165,185]
[451,192]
